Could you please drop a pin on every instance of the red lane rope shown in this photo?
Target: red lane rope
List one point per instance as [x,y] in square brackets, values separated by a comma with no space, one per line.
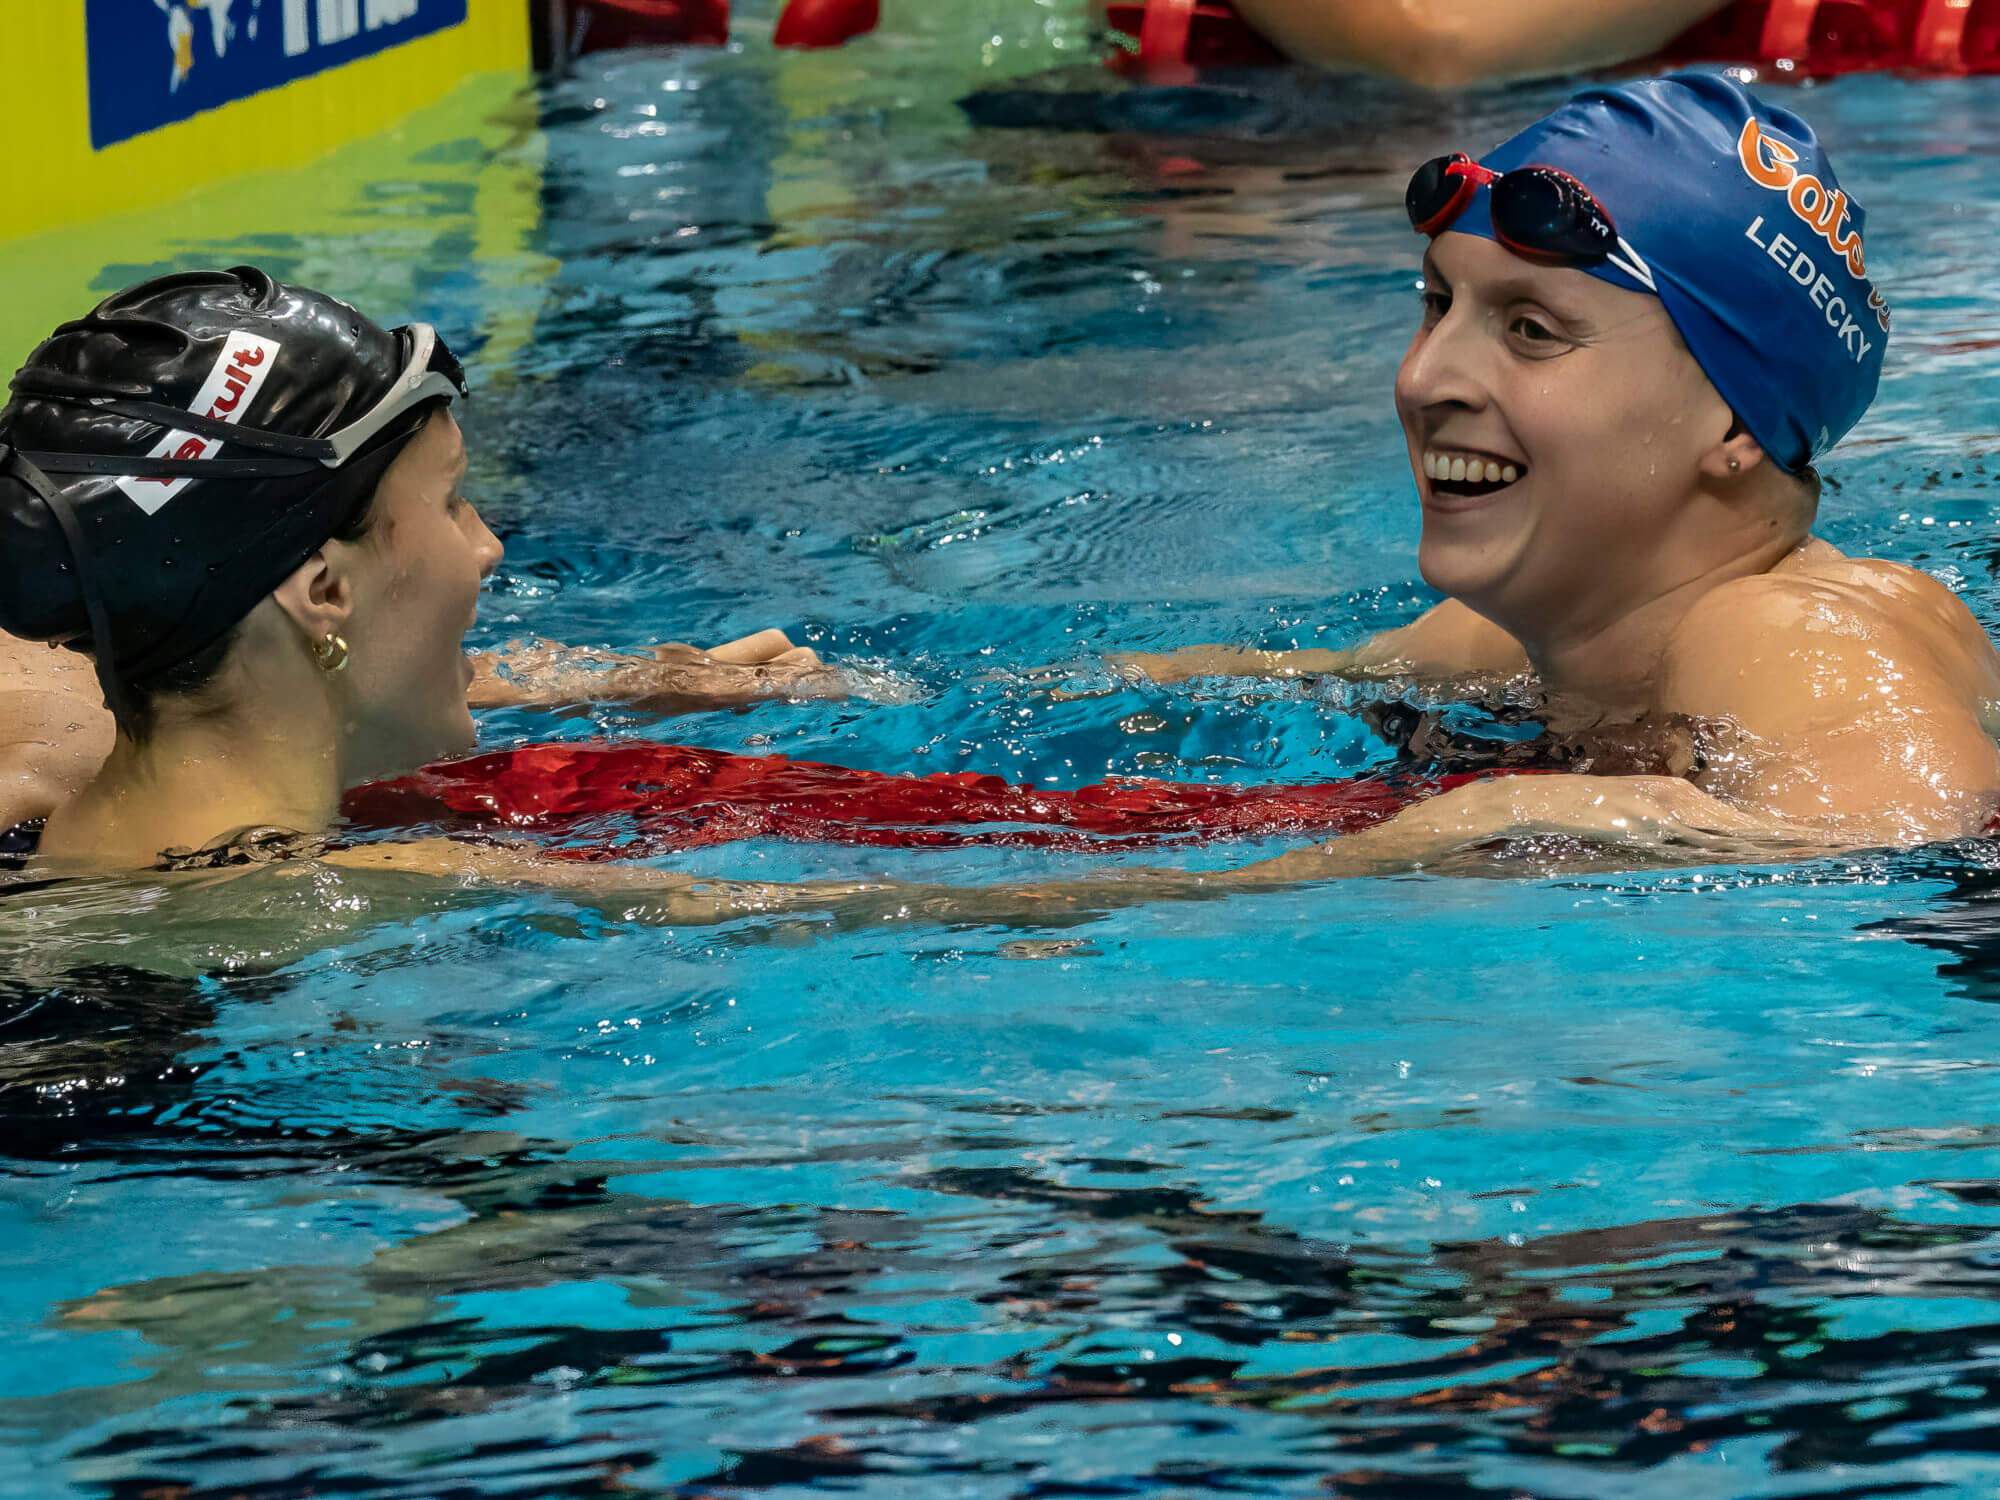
[607,25]
[1827,37]
[636,799]
[825,23]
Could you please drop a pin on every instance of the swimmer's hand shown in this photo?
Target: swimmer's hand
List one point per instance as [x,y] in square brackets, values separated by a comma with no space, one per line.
[1449,644]
[1229,661]
[674,679]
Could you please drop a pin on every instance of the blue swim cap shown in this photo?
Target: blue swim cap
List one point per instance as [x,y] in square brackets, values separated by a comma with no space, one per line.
[1734,211]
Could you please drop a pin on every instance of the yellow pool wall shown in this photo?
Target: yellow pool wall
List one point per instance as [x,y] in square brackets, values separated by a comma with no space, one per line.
[297,172]
[63,179]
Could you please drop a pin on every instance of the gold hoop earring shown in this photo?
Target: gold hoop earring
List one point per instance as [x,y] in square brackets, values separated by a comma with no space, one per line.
[330,654]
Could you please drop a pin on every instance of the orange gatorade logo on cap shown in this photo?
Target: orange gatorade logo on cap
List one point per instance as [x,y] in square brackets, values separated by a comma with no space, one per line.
[232,384]
[1773,164]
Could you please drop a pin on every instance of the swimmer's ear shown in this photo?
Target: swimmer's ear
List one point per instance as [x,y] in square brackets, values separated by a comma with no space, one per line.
[318,594]
[1735,456]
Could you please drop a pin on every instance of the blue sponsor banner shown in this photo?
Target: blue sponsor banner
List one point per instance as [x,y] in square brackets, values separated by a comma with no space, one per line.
[153,62]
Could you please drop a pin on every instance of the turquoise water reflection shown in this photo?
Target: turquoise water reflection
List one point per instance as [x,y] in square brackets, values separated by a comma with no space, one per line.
[1676,1184]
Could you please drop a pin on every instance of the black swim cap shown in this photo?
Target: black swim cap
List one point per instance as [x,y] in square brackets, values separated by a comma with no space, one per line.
[168,460]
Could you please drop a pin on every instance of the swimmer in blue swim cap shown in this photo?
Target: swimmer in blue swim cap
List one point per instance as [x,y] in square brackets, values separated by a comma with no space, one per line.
[1645,318]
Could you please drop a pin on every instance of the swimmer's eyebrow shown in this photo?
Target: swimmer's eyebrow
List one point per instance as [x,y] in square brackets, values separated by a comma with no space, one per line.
[1511,289]
[1527,289]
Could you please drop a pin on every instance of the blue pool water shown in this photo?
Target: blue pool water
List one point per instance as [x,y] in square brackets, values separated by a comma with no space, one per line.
[1675,1184]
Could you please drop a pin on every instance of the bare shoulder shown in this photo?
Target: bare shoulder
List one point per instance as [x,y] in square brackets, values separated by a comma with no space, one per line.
[1852,622]
[1842,596]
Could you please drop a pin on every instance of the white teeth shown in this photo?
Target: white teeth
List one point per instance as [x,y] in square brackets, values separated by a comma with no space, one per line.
[1463,470]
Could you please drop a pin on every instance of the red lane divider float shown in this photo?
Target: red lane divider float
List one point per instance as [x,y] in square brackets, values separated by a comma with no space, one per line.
[1826,37]
[1176,36]
[637,799]
[825,23]
[569,28]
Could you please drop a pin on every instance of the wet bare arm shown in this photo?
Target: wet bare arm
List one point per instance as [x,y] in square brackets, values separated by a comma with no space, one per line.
[636,890]
[1446,644]
[1635,820]
[642,894]
[1608,822]
[1851,710]
[55,731]
[1445,44]
[674,679]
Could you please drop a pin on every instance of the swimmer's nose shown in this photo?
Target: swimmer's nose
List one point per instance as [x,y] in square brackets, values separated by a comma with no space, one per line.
[489,547]
[1442,367]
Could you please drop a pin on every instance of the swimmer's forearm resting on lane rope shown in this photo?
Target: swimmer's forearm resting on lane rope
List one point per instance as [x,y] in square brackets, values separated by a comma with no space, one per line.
[1632,819]
[1447,642]
[1818,756]
[543,674]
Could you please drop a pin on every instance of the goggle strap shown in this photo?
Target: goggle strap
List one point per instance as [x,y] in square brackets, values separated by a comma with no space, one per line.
[101,650]
[422,379]
[139,466]
[285,443]
[432,385]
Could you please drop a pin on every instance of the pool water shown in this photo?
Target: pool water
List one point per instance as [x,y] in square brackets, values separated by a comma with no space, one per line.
[960,361]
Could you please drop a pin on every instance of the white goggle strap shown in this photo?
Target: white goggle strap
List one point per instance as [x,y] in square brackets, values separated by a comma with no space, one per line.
[417,384]
[1628,260]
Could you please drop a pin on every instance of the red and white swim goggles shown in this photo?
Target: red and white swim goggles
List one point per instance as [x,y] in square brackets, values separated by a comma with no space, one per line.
[1542,214]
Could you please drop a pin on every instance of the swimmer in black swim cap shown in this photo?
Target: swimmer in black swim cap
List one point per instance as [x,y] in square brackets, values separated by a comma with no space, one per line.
[131,530]
[240,498]
[178,453]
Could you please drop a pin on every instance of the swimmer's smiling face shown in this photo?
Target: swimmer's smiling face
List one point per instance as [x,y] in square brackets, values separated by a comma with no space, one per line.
[1557,428]
[416,578]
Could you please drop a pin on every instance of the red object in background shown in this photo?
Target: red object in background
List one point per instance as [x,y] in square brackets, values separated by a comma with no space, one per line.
[825,23]
[639,799]
[1177,35]
[568,28]
[1820,37]
[1827,37]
